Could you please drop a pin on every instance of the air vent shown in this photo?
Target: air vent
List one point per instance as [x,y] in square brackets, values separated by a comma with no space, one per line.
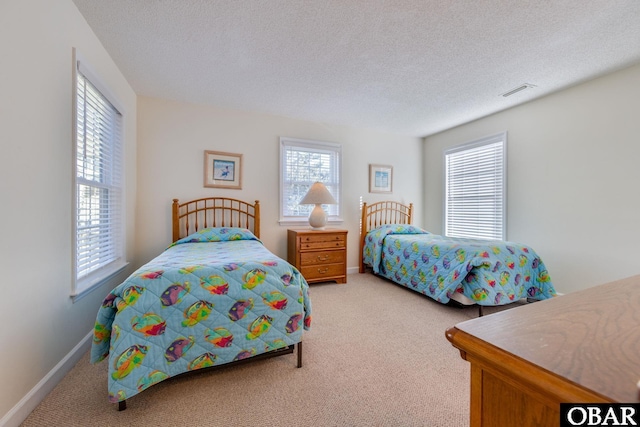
[518,89]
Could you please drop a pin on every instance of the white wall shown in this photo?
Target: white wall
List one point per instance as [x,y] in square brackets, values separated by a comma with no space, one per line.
[572,178]
[39,324]
[172,137]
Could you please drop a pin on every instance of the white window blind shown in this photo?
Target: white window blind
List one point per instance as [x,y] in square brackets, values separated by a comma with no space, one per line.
[99,188]
[302,163]
[475,189]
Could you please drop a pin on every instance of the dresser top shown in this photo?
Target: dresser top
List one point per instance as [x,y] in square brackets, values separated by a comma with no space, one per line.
[590,337]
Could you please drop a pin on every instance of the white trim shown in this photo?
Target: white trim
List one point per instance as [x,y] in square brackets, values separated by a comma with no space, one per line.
[32,399]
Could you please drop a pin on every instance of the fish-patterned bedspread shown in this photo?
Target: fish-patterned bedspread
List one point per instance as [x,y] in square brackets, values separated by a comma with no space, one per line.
[213,297]
[489,272]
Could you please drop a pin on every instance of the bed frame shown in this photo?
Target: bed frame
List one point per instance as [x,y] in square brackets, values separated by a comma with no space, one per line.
[191,216]
[381,213]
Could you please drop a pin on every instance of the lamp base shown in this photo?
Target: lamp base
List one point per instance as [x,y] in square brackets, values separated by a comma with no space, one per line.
[318,218]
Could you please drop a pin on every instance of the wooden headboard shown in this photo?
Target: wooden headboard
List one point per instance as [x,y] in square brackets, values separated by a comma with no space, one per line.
[191,216]
[381,213]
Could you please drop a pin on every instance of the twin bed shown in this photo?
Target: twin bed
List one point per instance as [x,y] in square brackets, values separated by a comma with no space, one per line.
[467,271]
[215,296]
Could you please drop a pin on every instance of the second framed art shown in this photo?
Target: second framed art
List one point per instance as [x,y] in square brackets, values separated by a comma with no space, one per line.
[380,179]
[222,170]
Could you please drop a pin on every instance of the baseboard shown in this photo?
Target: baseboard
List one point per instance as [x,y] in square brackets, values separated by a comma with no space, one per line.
[28,403]
[353,270]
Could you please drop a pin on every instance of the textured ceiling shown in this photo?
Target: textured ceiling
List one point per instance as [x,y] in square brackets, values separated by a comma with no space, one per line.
[410,67]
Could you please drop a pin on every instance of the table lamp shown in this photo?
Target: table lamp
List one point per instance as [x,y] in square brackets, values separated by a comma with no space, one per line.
[318,195]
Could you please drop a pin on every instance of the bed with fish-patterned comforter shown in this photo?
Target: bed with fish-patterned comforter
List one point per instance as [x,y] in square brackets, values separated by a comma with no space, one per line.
[211,298]
[487,272]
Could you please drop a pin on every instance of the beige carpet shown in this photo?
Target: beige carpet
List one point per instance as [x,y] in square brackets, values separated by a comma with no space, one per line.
[376,356]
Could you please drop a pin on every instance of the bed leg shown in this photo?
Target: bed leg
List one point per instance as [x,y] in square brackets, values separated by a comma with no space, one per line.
[300,354]
[122,405]
[480,311]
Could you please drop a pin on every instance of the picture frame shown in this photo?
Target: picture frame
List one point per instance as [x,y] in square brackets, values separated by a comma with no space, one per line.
[222,170]
[380,178]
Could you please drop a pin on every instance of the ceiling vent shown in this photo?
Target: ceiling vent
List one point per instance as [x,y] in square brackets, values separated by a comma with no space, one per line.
[518,89]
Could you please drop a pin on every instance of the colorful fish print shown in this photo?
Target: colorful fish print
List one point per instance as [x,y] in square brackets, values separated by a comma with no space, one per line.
[109,301]
[149,324]
[504,277]
[498,298]
[216,285]
[174,294]
[101,334]
[178,348]
[510,263]
[151,274]
[490,281]
[154,377]
[270,263]
[532,291]
[245,354]
[479,295]
[543,276]
[128,360]
[259,326]
[511,249]
[497,267]
[205,360]
[197,312]
[119,396]
[406,253]
[415,248]
[253,278]
[414,282]
[275,344]
[446,263]
[455,275]
[425,258]
[461,255]
[238,310]
[231,266]
[220,337]
[440,281]
[535,262]
[511,295]
[275,299]
[286,279]
[307,322]
[131,294]
[293,324]
[517,279]
[523,260]
[398,244]
[235,236]
[483,254]
[434,269]
[190,269]
[435,251]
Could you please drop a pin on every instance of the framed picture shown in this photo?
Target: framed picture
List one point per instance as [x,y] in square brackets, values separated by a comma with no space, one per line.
[380,179]
[222,170]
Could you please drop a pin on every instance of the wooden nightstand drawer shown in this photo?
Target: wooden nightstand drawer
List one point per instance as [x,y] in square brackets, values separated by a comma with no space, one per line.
[323,257]
[322,245]
[323,271]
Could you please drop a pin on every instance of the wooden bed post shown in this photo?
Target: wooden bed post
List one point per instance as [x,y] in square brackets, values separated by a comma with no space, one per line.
[410,214]
[256,224]
[362,235]
[174,211]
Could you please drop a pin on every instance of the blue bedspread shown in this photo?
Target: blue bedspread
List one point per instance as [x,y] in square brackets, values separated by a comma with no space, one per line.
[211,298]
[488,272]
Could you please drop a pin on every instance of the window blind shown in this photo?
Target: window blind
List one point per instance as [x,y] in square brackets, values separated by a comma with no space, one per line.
[98,164]
[302,164]
[475,189]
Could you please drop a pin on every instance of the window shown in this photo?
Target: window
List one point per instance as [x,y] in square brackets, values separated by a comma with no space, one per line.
[99,248]
[475,180]
[302,163]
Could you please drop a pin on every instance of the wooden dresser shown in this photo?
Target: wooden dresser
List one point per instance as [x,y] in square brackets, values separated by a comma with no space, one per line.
[582,347]
[320,255]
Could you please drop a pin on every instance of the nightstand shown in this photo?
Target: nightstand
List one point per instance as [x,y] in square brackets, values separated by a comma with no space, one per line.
[320,255]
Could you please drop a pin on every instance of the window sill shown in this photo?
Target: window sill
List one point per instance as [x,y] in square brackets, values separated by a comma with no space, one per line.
[98,281]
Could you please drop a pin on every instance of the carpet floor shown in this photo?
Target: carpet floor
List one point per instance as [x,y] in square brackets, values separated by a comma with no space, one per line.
[376,355]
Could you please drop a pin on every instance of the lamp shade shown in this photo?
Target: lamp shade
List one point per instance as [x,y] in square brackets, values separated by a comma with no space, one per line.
[318,195]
